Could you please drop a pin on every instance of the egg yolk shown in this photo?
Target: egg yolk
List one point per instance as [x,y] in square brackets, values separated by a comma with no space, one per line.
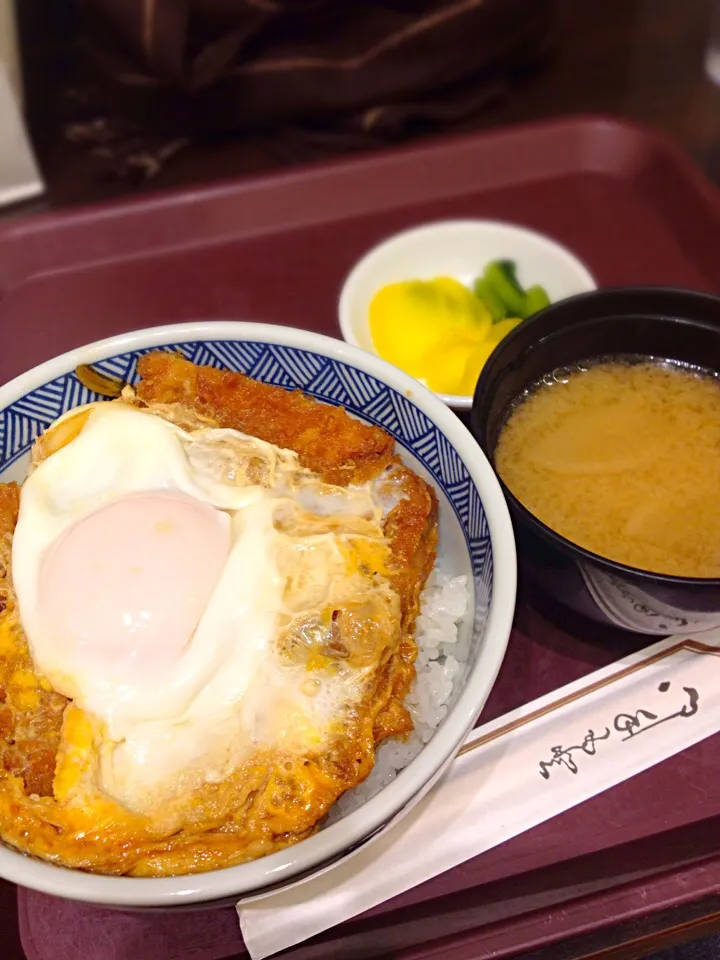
[127,584]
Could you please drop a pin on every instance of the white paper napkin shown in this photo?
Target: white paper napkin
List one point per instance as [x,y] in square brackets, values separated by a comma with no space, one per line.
[511,775]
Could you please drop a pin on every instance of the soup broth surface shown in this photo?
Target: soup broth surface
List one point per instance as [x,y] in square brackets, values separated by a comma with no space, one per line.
[623,458]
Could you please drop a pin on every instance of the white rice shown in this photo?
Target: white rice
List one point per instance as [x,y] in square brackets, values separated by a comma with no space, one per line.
[441,657]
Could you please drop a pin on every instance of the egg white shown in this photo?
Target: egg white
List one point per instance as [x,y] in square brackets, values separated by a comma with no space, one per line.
[227,692]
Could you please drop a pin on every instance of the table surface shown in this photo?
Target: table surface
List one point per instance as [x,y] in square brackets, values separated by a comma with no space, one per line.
[642,59]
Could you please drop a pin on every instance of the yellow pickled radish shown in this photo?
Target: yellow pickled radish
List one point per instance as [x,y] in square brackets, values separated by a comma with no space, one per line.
[502,328]
[477,357]
[448,371]
[475,361]
[458,359]
[409,319]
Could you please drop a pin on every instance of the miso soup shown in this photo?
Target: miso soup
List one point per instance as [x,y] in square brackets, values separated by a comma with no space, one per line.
[622,457]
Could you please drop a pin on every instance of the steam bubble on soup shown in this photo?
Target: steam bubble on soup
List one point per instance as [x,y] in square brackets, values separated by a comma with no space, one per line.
[622,457]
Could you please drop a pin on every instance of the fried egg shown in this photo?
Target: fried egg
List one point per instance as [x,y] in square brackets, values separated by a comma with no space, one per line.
[179,586]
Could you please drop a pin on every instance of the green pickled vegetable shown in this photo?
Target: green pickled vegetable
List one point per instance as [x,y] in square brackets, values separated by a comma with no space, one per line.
[503,295]
[500,277]
[536,299]
[483,290]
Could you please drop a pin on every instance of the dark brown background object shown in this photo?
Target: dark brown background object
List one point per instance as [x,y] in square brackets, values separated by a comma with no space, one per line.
[641,59]
[193,66]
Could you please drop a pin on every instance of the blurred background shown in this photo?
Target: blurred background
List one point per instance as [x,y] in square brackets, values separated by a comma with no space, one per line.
[123,96]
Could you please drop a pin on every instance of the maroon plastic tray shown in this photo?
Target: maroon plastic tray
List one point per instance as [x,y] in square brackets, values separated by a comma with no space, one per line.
[277,249]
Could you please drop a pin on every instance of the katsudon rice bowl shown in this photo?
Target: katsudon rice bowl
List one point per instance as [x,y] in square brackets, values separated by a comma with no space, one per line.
[255,588]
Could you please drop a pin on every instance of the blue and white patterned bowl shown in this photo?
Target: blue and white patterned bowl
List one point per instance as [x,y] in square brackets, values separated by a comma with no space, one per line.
[475,538]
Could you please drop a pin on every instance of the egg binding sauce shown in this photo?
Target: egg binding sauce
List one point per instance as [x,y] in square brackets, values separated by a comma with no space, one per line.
[622,457]
[253,745]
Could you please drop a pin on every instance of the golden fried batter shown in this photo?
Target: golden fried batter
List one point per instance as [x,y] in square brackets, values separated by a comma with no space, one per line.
[327,439]
[270,801]
[30,712]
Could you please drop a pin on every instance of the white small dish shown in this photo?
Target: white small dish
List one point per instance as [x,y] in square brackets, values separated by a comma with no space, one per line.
[460,249]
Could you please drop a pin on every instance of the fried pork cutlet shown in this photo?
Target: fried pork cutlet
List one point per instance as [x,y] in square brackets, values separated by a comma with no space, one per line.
[266,805]
[30,712]
[338,447]
[327,439]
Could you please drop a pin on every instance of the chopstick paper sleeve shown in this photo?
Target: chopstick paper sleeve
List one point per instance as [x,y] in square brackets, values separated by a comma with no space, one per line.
[512,774]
